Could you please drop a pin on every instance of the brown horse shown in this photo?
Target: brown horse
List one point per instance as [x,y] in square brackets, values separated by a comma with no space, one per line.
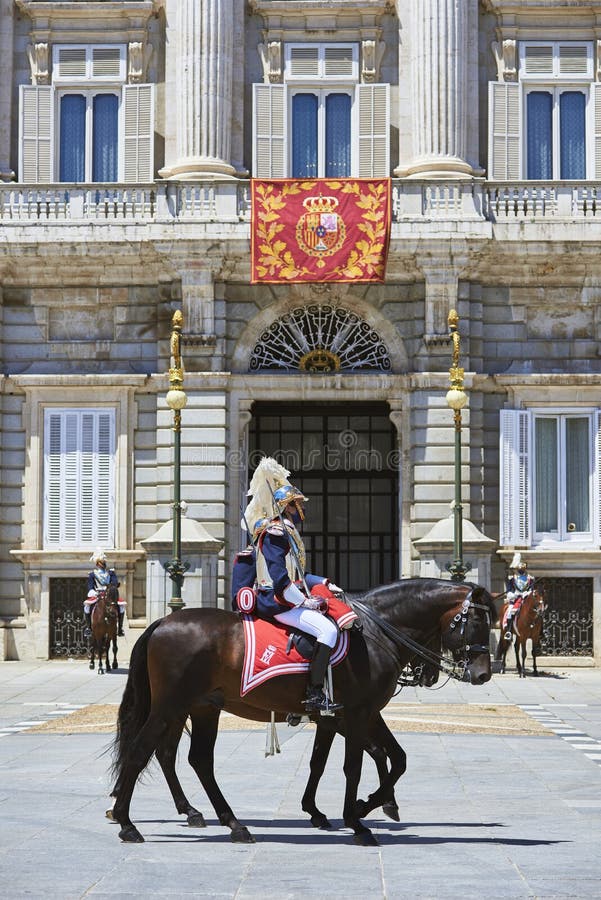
[526,626]
[104,628]
[189,665]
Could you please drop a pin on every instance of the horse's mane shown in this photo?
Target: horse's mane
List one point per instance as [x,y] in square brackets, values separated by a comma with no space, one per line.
[411,591]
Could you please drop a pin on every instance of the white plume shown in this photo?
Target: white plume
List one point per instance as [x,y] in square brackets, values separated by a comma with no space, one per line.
[268,473]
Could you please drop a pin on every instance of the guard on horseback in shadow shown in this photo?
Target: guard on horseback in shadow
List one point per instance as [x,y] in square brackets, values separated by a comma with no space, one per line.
[99,579]
[275,566]
[519,585]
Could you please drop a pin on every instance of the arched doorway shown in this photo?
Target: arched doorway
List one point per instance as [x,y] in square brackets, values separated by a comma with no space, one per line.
[344,457]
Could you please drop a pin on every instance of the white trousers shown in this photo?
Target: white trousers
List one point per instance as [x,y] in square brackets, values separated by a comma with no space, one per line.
[312,622]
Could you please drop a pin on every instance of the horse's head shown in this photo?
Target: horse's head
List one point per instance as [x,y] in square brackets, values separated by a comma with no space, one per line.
[465,632]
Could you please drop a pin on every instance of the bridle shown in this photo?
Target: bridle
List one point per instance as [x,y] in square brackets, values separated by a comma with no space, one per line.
[458,669]
[110,607]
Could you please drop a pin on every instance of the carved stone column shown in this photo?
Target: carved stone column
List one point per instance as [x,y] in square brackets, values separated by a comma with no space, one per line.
[439,73]
[202,93]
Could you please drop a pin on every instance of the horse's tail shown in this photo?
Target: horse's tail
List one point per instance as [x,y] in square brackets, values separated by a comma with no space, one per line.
[135,705]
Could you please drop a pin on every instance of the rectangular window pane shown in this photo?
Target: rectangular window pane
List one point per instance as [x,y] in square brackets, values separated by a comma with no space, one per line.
[577,468]
[105,137]
[338,136]
[545,437]
[540,140]
[572,105]
[72,164]
[304,136]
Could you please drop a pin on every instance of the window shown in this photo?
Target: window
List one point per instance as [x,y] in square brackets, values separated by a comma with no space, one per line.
[321,123]
[547,126]
[550,468]
[88,126]
[79,476]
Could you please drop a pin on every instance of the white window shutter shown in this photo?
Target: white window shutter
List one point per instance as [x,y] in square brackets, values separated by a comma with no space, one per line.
[71,63]
[514,464]
[79,478]
[35,133]
[597,478]
[575,59]
[596,97]
[373,102]
[106,62]
[304,62]
[504,133]
[138,132]
[538,59]
[339,62]
[269,131]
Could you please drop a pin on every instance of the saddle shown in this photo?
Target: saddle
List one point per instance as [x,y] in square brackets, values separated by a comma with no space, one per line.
[272,649]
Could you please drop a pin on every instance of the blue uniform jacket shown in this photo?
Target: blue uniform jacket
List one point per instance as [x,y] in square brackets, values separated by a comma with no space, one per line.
[112,580]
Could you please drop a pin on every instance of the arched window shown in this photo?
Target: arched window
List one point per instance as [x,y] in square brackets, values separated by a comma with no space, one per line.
[320,338]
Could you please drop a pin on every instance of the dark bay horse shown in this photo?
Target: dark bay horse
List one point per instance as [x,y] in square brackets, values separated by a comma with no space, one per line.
[189,665]
[527,626]
[104,628]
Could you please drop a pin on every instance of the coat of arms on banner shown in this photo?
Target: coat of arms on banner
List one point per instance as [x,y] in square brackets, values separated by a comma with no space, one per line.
[320,230]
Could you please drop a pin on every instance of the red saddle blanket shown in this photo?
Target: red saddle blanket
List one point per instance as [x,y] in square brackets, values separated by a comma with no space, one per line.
[266,653]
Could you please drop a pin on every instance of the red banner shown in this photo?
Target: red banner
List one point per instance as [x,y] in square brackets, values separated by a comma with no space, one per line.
[320,230]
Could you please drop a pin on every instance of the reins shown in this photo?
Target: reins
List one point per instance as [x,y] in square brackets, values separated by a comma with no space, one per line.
[453,670]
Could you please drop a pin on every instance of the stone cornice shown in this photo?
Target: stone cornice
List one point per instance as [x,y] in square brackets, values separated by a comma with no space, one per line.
[79,21]
[315,18]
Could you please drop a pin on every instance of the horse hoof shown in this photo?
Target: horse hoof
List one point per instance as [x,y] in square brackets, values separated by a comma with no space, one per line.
[366,839]
[321,821]
[109,815]
[115,665]
[242,835]
[392,811]
[130,835]
[91,665]
[196,820]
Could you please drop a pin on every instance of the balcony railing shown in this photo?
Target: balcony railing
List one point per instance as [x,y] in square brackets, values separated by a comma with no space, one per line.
[468,202]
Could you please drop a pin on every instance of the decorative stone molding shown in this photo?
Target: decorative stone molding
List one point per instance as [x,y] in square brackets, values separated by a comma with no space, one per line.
[372,52]
[39,58]
[505,53]
[138,58]
[271,57]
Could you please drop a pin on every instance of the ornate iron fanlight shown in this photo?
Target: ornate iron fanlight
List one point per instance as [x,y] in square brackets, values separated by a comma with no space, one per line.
[320,338]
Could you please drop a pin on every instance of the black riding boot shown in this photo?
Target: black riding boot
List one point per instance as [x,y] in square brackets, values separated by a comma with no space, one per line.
[316,700]
[120,630]
[88,629]
[509,630]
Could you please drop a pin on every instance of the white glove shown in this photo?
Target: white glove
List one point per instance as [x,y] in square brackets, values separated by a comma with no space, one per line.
[314,603]
[334,588]
[92,593]
[294,596]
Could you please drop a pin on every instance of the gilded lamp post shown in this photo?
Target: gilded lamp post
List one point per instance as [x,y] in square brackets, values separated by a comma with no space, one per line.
[457,399]
[176,400]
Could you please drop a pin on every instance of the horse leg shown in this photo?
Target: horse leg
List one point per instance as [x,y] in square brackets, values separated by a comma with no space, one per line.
[518,665]
[321,749]
[385,745]
[166,755]
[115,648]
[138,756]
[202,760]
[92,653]
[535,649]
[107,650]
[356,728]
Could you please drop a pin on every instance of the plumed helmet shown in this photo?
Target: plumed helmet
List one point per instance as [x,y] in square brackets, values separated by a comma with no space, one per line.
[270,491]
[517,562]
[98,556]
[286,494]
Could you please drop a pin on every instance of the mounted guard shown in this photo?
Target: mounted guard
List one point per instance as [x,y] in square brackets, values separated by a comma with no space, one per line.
[273,567]
[519,584]
[99,579]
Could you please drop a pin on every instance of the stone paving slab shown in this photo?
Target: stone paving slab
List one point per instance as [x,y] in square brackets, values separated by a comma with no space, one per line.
[466,831]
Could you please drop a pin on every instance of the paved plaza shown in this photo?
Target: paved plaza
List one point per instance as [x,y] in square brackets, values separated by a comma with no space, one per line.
[483,814]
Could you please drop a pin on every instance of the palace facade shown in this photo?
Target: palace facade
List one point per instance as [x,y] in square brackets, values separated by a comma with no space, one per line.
[129,132]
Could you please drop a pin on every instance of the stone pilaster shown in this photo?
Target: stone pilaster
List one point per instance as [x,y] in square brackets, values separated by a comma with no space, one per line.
[203,37]
[440,32]
[6,79]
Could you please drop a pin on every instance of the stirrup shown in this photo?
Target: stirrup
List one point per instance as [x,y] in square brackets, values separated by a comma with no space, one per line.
[318,702]
[508,635]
